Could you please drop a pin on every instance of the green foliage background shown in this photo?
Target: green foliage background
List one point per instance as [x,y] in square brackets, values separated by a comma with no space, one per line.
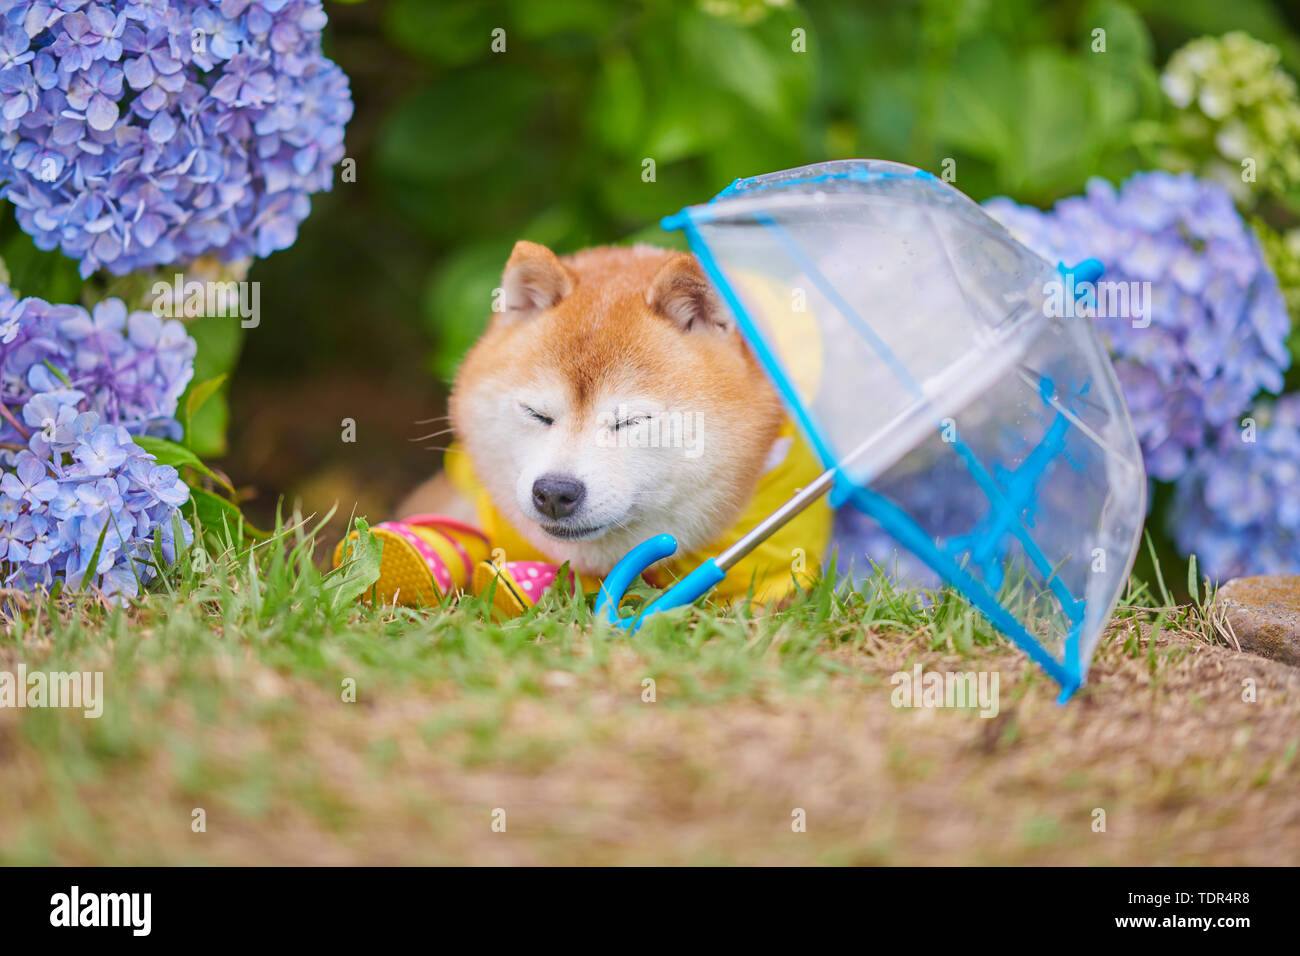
[460,151]
[467,149]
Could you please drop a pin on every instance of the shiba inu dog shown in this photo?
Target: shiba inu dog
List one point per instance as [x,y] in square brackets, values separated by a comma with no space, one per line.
[610,399]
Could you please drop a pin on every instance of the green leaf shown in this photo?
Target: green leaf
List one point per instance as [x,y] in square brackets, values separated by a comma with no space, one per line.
[135,573]
[359,570]
[198,397]
[219,341]
[50,275]
[178,456]
[1160,578]
[458,300]
[1127,37]
[211,510]
[94,559]
[58,372]
[616,110]
[450,34]
[202,392]
[1052,135]
[734,59]
[206,432]
[983,97]
[591,18]
[440,130]
[167,452]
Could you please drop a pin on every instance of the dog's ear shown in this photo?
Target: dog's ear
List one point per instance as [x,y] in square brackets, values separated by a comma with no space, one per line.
[533,281]
[680,293]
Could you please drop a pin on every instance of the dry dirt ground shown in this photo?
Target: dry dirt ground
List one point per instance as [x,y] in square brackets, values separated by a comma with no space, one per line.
[581,770]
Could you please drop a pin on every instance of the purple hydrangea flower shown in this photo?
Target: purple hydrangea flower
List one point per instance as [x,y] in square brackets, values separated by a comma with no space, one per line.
[1215,336]
[1237,509]
[129,369]
[142,133]
[75,388]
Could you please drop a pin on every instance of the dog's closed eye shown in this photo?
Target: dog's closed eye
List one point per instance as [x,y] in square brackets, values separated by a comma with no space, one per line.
[630,422]
[535,415]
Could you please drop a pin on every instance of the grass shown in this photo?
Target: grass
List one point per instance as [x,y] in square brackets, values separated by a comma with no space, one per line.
[227,692]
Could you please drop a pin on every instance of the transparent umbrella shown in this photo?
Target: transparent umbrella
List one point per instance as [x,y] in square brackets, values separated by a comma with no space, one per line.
[936,367]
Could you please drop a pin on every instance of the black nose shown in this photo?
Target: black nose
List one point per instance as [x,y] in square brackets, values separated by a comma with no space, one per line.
[558,496]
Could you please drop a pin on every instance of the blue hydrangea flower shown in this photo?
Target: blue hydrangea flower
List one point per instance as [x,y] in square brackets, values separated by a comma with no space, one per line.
[1218,321]
[129,369]
[75,388]
[142,133]
[1237,509]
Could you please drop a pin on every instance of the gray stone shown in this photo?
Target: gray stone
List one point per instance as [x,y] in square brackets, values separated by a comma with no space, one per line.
[1264,613]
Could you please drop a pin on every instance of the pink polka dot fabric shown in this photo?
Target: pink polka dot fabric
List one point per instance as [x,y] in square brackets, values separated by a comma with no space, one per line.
[533,577]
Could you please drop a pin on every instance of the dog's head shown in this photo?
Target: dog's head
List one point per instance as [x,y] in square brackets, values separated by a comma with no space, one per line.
[611,399]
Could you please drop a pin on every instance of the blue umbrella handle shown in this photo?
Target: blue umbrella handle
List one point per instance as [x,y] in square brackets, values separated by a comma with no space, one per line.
[685,591]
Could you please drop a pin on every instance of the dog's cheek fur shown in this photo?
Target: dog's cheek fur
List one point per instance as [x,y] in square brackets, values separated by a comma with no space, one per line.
[487,425]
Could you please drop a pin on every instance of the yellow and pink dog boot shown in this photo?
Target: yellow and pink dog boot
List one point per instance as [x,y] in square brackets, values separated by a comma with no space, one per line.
[425,557]
[518,584]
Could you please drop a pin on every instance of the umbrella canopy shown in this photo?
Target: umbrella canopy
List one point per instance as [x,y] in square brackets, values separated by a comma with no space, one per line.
[940,369]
